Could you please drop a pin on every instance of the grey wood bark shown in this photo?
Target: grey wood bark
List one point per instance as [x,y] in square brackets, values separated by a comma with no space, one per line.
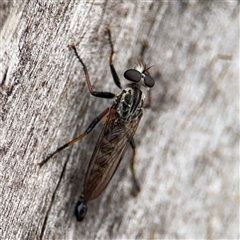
[188,143]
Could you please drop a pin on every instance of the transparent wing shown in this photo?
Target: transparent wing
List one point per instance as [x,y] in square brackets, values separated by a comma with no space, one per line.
[110,148]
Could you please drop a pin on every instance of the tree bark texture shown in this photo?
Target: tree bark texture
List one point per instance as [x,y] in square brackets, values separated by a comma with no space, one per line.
[187,158]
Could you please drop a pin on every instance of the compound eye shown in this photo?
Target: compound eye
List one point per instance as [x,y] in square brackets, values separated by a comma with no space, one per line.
[133,75]
[149,81]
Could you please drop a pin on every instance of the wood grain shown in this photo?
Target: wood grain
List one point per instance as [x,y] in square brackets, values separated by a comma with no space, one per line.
[188,143]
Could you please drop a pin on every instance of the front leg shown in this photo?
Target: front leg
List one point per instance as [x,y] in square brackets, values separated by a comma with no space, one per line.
[112,68]
[94,93]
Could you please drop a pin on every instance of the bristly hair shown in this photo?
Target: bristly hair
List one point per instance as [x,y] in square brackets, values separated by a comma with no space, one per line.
[142,68]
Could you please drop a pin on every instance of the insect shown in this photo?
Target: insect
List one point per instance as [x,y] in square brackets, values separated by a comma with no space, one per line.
[121,122]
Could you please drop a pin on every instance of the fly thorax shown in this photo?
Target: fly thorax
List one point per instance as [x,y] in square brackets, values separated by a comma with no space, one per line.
[129,103]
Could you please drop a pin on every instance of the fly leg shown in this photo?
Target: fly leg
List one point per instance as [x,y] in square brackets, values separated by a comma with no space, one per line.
[112,68]
[136,186]
[89,129]
[94,93]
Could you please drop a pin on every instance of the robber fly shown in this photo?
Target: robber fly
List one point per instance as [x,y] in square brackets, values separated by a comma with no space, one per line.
[121,122]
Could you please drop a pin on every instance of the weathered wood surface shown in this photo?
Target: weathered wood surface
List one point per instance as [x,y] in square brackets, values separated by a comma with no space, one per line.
[188,143]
